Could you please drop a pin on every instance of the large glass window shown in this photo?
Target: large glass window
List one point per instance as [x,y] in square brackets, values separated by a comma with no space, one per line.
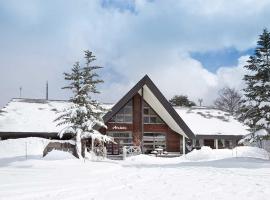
[124,115]
[121,139]
[150,116]
[151,141]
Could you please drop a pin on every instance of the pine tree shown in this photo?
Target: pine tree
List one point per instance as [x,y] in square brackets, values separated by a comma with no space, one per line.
[84,112]
[256,108]
[181,100]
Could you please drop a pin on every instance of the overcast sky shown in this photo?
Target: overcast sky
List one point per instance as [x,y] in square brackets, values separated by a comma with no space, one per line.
[192,47]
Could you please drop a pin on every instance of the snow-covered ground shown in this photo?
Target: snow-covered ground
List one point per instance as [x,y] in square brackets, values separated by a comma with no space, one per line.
[205,174]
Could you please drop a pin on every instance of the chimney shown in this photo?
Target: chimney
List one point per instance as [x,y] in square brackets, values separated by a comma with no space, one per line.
[47,91]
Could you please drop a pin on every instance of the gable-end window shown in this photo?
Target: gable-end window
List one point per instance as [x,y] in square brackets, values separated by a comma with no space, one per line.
[150,116]
[124,115]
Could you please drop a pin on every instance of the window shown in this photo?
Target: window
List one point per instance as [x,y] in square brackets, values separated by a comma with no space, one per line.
[122,139]
[150,116]
[124,115]
[152,141]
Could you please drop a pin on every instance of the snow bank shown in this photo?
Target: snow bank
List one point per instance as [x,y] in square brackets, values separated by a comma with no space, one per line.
[22,147]
[32,146]
[207,154]
[58,155]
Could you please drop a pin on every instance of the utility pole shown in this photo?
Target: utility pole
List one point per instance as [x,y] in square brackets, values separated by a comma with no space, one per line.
[21,92]
[47,91]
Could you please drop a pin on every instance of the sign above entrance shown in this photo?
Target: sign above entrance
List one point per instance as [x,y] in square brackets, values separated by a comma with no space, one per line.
[119,128]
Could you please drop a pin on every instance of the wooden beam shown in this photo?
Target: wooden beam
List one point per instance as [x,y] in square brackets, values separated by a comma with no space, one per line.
[142,119]
[184,145]
[216,143]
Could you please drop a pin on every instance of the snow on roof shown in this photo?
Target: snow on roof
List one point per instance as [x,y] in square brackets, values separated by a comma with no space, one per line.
[210,121]
[38,115]
[32,115]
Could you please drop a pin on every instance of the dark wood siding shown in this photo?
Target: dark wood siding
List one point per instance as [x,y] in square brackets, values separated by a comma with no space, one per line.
[172,138]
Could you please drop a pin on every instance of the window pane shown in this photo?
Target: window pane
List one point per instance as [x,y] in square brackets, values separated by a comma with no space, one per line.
[146,120]
[124,115]
[152,112]
[159,120]
[146,111]
[120,118]
[153,120]
[150,116]
[128,118]
[128,110]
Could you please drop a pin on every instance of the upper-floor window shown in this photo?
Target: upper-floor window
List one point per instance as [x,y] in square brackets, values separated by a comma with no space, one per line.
[150,116]
[124,115]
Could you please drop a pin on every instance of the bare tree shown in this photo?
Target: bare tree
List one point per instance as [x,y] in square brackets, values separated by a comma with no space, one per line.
[229,100]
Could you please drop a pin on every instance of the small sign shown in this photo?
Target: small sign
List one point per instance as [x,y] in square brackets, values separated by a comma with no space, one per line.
[119,128]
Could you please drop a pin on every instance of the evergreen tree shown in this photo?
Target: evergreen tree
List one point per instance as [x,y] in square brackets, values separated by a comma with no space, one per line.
[256,108]
[229,100]
[84,112]
[181,100]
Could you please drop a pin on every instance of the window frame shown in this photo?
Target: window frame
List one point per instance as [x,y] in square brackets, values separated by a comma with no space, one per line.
[123,114]
[151,115]
[154,142]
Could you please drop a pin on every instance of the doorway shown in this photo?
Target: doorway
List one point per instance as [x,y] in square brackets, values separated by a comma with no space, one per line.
[209,143]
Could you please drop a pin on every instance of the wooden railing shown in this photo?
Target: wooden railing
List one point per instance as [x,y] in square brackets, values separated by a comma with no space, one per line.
[131,151]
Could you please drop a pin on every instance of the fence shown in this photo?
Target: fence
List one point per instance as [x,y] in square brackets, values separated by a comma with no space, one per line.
[131,151]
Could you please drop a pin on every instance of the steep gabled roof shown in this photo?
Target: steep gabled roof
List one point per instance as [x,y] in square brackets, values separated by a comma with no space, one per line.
[146,81]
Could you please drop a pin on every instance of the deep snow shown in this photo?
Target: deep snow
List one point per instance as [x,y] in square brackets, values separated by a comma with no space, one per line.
[206,174]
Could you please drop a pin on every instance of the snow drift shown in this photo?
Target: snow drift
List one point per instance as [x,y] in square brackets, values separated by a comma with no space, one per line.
[58,155]
[207,154]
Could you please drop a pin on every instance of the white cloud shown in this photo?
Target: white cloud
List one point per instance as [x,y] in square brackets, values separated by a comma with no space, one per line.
[176,73]
[42,40]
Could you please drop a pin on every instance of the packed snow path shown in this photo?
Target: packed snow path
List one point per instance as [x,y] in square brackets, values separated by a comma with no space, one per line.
[137,178]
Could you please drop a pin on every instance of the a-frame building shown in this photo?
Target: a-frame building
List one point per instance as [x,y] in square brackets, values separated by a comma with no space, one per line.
[144,117]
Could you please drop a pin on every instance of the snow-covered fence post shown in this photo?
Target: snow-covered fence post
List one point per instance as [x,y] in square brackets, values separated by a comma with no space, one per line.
[124,152]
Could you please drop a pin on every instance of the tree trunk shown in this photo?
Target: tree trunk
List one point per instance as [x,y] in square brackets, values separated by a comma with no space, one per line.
[79,144]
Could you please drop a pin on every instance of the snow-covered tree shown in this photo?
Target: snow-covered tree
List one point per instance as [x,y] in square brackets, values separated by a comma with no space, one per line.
[84,112]
[229,100]
[256,108]
[255,138]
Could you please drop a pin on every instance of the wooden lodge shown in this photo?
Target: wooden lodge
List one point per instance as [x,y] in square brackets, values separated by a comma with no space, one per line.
[143,117]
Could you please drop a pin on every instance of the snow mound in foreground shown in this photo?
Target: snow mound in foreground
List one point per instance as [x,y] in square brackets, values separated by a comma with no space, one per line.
[206,153]
[58,155]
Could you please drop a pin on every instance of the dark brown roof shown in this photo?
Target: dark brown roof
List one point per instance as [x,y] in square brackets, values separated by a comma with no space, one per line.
[149,83]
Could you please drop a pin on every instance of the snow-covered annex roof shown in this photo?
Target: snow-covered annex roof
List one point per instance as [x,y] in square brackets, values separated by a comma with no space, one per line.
[32,115]
[38,115]
[210,121]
